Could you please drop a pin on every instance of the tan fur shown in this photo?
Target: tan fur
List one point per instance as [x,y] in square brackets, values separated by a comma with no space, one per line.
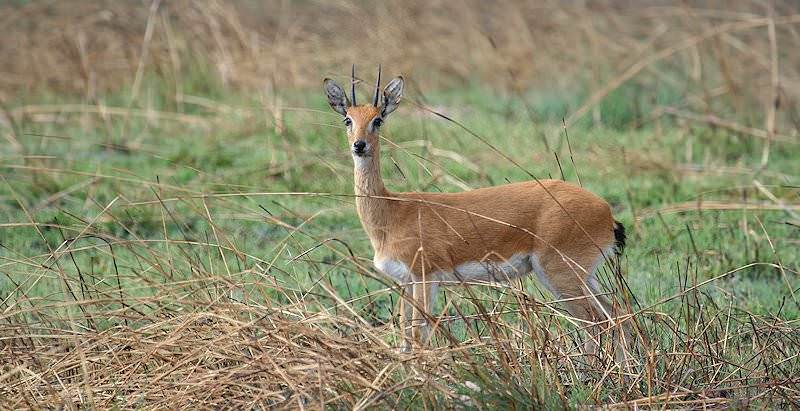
[450,227]
[436,232]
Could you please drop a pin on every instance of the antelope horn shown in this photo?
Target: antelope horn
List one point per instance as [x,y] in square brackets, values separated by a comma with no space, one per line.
[377,88]
[353,83]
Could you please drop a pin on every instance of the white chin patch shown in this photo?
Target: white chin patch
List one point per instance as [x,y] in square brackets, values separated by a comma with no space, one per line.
[361,161]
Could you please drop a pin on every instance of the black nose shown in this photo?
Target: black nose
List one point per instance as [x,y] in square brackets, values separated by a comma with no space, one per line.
[359,146]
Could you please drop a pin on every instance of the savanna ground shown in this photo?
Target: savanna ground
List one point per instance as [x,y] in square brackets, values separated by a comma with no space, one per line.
[177,227]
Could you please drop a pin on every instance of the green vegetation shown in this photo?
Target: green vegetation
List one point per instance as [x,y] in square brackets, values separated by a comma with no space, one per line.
[221,205]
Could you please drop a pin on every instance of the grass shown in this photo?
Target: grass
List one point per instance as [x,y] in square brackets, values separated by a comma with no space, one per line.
[205,261]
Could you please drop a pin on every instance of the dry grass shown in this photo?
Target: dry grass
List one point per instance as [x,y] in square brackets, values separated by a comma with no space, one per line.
[237,338]
[735,60]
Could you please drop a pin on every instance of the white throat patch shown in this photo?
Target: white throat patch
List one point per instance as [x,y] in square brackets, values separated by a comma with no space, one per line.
[362,162]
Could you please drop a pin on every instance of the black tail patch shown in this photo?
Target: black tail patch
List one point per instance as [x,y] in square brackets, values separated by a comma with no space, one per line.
[619,237]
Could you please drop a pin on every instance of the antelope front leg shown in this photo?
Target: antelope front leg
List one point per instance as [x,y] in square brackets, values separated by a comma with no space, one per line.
[423,297]
[406,316]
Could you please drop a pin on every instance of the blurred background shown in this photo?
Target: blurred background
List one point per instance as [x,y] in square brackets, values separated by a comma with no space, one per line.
[177,226]
[615,62]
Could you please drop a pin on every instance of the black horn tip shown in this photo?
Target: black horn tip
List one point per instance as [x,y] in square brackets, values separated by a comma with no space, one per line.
[353,83]
[377,88]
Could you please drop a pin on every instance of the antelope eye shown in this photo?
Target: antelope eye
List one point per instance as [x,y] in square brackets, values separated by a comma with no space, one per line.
[348,122]
[377,122]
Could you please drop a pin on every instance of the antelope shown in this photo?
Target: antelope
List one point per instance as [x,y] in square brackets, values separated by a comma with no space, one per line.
[554,229]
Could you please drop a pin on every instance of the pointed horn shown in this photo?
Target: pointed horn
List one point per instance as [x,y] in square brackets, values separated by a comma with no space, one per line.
[353,83]
[377,88]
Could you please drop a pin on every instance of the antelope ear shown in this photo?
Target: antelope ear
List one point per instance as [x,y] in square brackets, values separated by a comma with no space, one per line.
[391,96]
[336,96]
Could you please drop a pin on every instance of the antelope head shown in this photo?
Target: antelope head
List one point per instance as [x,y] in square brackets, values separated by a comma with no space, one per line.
[364,121]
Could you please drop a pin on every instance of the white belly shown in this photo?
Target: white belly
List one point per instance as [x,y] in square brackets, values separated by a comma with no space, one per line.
[516,266]
[397,270]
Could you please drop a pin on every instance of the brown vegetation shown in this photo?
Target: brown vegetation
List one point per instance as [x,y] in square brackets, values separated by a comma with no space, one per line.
[732,58]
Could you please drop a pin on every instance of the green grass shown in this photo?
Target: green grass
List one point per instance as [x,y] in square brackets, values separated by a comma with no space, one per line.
[206,213]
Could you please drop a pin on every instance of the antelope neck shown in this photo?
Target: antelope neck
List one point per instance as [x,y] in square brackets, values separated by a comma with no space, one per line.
[372,211]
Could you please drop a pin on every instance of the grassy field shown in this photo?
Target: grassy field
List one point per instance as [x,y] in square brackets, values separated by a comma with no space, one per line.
[204,251]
